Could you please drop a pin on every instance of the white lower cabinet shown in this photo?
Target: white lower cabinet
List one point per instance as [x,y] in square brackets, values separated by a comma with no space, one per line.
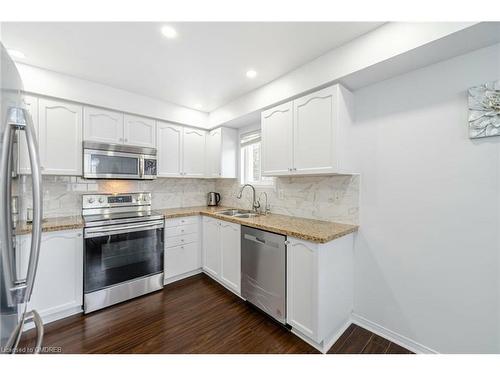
[320,289]
[222,252]
[211,246]
[230,251]
[58,289]
[182,248]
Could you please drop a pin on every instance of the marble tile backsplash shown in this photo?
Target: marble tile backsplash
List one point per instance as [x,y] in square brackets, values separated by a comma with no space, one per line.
[62,194]
[333,198]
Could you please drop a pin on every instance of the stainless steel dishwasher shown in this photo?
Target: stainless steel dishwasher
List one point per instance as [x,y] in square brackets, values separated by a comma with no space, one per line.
[263,271]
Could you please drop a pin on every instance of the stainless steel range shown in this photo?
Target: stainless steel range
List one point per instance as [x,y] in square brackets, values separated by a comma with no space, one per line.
[123,248]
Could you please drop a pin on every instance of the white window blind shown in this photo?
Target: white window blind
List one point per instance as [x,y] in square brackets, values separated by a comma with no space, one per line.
[251,138]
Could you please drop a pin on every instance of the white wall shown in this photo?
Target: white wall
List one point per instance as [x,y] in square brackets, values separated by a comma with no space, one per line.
[49,83]
[427,252]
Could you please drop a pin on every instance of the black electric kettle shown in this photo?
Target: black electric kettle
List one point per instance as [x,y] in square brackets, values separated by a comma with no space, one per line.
[213,199]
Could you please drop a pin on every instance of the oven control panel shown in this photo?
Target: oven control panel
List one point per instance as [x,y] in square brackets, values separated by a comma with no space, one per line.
[115,200]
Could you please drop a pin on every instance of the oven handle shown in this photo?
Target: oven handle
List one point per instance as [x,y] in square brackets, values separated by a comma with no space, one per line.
[110,230]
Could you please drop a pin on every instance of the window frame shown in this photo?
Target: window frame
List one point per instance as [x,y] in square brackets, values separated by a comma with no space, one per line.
[245,156]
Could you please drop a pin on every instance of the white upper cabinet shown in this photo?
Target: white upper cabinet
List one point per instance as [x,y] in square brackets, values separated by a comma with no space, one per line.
[222,145]
[314,126]
[31,103]
[101,125]
[106,126]
[307,136]
[194,152]
[214,145]
[139,131]
[60,137]
[277,128]
[169,149]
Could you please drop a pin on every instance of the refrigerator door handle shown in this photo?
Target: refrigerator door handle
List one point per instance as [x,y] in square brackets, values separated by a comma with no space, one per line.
[12,344]
[35,317]
[36,231]
[8,267]
[20,119]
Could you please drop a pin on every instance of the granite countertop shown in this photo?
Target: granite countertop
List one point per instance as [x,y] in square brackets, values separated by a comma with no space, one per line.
[307,229]
[52,224]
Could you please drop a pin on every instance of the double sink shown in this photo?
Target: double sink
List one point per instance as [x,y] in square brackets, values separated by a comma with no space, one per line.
[243,214]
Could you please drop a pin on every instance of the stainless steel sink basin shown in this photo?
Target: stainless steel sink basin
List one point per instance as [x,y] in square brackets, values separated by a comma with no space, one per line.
[246,216]
[234,212]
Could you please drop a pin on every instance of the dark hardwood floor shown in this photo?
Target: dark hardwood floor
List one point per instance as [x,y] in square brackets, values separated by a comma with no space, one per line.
[194,315]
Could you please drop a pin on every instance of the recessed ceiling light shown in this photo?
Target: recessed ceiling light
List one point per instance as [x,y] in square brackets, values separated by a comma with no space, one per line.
[169,32]
[16,54]
[251,73]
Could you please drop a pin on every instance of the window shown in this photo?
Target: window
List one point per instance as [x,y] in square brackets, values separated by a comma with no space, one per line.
[250,161]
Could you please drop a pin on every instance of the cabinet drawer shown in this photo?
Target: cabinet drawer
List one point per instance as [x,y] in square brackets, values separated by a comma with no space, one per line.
[181,240]
[181,221]
[181,259]
[181,230]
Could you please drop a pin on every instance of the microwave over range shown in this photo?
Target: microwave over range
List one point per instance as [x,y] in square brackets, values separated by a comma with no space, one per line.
[114,161]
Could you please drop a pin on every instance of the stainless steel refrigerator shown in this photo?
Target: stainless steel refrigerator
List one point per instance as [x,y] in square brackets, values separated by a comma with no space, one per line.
[15,289]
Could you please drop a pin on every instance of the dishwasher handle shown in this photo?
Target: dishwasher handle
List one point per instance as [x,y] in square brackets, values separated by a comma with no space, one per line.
[254,239]
[268,243]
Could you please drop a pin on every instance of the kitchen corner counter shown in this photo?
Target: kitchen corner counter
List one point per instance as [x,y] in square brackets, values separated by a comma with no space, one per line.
[307,229]
[52,224]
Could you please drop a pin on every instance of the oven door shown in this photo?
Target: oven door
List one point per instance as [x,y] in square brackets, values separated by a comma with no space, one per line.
[111,164]
[120,253]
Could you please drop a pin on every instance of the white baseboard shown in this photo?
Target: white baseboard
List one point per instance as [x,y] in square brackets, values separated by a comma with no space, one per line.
[55,315]
[396,338]
[324,346]
[180,277]
[328,343]
[218,281]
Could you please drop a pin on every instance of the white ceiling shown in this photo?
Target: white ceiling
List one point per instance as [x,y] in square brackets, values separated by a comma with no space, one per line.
[205,64]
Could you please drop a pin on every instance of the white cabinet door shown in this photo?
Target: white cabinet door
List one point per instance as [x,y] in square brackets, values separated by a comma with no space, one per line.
[214,157]
[139,131]
[169,150]
[58,290]
[211,246]
[230,274]
[60,137]
[181,259]
[31,103]
[277,124]
[301,287]
[314,132]
[101,125]
[194,153]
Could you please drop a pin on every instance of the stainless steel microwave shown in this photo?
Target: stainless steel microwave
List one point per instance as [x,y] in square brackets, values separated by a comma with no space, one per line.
[114,161]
